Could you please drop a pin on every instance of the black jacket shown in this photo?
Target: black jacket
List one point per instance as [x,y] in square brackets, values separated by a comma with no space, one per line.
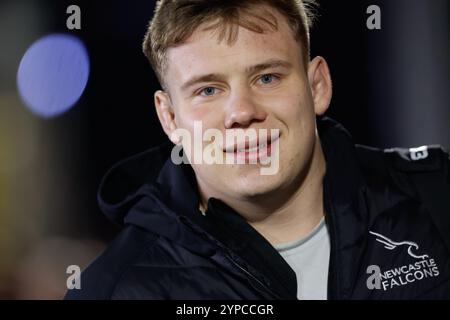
[387,211]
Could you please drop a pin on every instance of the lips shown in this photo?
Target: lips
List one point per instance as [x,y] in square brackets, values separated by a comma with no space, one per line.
[252,149]
[250,145]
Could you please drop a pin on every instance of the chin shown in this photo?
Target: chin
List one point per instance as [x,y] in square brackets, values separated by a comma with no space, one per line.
[256,185]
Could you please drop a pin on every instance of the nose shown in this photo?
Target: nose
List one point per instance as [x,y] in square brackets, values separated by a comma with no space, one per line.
[242,110]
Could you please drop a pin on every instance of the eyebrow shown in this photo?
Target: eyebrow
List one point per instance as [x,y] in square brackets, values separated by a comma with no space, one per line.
[203,78]
[273,63]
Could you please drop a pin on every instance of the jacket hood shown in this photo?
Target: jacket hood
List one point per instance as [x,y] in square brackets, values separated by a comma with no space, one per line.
[130,179]
[150,191]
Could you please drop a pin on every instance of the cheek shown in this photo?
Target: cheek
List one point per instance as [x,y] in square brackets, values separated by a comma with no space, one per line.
[208,118]
[293,101]
[290,108]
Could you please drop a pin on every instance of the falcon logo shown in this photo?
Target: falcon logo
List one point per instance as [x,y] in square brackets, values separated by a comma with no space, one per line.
[391,245]
[399,276]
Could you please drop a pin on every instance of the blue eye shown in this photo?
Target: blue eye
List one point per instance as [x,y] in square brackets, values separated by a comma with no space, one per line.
[267,78]
[209,91]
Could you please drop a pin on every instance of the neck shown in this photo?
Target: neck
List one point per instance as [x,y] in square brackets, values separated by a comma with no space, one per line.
[297,213]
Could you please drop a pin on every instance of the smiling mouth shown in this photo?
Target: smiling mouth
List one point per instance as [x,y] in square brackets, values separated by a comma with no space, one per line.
[252,149]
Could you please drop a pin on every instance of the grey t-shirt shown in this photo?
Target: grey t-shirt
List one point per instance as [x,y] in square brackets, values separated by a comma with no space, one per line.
[309,258]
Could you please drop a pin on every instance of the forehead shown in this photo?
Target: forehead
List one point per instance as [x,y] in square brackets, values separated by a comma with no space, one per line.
[204,53]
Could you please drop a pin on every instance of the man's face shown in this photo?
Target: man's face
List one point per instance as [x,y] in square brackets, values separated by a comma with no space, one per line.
[259,82]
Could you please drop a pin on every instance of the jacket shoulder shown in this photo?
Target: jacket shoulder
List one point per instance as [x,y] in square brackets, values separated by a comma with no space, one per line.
[424,158]
[395,167]
[99,279]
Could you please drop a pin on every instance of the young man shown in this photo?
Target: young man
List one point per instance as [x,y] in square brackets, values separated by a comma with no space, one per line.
[333,221]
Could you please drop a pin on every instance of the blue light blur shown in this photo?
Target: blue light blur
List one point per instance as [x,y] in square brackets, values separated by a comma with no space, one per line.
[53,74]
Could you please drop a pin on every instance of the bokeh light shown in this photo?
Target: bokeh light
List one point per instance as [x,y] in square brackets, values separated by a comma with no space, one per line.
[53,74]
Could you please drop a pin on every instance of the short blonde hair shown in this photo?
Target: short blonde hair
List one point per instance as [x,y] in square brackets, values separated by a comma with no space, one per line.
[176,20]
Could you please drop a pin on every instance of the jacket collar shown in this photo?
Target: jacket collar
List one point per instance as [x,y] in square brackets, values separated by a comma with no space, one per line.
[345,205]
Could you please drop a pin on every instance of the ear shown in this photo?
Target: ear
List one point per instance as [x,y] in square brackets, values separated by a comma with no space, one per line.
[166,115]
[320,83]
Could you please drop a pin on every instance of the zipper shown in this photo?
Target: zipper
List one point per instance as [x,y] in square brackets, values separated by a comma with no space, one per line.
[228,254]
[333,282]
[249,274]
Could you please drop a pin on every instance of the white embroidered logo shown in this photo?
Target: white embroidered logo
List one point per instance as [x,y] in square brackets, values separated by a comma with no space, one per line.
[423,268]
[391,245]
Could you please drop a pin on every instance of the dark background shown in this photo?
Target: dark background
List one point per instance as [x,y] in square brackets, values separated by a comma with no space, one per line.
[391,88]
